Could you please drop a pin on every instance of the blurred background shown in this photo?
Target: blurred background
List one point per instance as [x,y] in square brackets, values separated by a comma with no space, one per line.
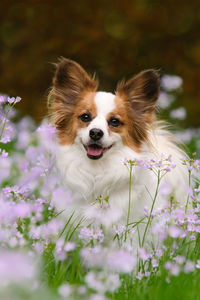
[114,39]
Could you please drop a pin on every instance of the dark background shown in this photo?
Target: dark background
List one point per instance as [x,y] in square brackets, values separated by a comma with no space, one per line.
[115,39]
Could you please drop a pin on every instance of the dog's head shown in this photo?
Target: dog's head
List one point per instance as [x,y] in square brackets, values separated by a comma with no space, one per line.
[99,121]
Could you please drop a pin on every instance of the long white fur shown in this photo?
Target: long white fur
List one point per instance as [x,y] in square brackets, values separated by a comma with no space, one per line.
[107,176]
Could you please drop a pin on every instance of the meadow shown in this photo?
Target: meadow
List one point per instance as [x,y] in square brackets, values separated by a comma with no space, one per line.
[44,256]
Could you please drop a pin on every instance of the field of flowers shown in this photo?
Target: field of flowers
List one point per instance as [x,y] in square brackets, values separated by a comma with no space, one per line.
[45,256]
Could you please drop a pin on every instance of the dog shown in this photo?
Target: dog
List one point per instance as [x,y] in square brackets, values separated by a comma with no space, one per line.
[97,131]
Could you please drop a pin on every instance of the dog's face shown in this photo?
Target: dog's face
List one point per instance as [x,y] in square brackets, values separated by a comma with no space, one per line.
[99,121]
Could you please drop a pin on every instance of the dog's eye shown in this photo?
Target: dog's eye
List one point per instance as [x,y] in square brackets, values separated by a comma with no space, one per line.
[114,122]
[85,118]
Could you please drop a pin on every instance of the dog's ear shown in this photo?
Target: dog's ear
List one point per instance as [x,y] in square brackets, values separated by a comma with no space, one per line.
[69,84]
[139,95]
[71,80]
[141,91]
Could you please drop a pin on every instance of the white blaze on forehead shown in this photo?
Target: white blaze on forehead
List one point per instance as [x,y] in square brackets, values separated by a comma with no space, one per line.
[105,103]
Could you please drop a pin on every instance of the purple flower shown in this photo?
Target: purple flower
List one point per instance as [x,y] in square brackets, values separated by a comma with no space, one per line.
[143,254]
[163,165]
[179,113]
[174,231]
[61,197]
[154,263]
[165,100]
[121,261]
[64,290]
[97,297]
[197,190]
[190,168]
[16,267]
[165,188]
[47,130]
[17,99]
[173,268]
[146,274]
[198,264]
[171,82]
[69,246]
[102,282]
[3,98]
[13,100]
[102,213]
[158,253]
[89,234]
[139,275]
[179,259]
[119,229]
[189,267]
[3,153]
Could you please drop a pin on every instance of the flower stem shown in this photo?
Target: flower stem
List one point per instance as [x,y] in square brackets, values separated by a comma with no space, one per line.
[188,196]
[4,122]
[129,202]
[152,207]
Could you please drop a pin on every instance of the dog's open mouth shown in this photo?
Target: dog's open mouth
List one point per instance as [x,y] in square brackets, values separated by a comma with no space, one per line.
[95,151]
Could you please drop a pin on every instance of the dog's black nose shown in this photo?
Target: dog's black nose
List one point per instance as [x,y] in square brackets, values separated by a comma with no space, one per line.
[96,134]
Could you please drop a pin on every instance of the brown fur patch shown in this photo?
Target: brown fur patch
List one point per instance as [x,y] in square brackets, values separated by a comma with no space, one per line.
[73,89]
[136,101]
[141,90]
[71,123]
[127,129]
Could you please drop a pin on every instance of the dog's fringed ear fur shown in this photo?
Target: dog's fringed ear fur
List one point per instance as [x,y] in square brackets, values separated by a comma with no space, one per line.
[141,91]
[71,80]
[140,94]
[69,83]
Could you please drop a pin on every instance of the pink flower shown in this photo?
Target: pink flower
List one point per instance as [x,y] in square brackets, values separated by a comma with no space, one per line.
[13,100]
[171,82]
[69,246]
[102,282]
[3,153]
[174,231]
[121,261]
[154,263]
[179,259]
[89,234]
[198,264]
[64,290]
[189,267]
[139,275]
[15,267]
[179,113]
[143,254]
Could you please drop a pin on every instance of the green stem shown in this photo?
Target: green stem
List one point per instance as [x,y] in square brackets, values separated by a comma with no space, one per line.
[4,123]
[129,202]
[188,197]
[152,207]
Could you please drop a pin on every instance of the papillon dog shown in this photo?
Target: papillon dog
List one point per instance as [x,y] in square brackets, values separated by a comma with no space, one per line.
[97,131]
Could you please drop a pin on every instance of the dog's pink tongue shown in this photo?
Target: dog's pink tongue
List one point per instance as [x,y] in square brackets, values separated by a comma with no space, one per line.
[94,151]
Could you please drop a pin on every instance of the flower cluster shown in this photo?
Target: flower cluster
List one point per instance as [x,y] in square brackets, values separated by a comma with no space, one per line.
[164,165]
[41,244]
[102,213]
[191,163]
[91,234]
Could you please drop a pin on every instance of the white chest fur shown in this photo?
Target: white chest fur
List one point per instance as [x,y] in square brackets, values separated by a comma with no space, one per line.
[88,179]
